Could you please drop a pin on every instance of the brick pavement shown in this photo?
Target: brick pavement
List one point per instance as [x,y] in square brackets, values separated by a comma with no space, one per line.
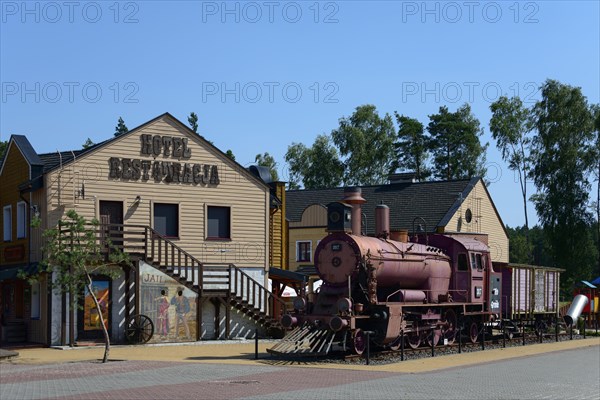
[571,372]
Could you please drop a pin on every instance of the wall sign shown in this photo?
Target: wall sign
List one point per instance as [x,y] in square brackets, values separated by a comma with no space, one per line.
[171,172]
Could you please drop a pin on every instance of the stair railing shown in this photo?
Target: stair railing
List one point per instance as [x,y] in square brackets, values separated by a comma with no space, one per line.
[145,242]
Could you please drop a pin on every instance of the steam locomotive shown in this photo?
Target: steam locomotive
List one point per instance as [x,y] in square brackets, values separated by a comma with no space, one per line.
[393,288]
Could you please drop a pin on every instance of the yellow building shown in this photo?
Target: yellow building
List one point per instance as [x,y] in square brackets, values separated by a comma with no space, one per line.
[461,207]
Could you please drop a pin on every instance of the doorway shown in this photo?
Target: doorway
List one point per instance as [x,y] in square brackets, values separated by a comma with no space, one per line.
[111,221]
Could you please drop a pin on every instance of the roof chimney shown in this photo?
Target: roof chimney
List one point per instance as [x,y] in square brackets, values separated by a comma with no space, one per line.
[353,196]
[403,177]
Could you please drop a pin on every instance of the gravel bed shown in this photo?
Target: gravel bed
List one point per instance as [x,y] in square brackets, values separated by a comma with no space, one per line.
[440,351]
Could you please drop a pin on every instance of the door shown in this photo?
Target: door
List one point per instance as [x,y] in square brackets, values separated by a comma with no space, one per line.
[111,220]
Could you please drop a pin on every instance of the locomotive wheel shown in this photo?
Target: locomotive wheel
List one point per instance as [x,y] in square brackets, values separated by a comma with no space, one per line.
[540,327]
[434,335]
[139,329]
[396,344]
[359,342]
[473,331]
[451,324]
[413,339]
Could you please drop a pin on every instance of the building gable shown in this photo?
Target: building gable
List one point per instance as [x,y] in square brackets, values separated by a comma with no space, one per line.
[477,214]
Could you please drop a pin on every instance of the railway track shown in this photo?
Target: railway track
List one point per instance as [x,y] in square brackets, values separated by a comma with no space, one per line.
[495,342]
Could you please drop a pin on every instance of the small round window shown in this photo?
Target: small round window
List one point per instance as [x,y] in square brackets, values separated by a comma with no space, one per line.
[468,215]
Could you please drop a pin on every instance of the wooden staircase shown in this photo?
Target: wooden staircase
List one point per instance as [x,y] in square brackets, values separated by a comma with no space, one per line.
[223,282]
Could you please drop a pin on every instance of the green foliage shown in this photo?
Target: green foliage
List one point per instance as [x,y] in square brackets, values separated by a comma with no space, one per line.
[72,253]
[510,125]
[529,246]
[317,167]
[565,125]
[411,147]
[121,128]
[193,121]
[267,160]
[88,143]
[366,143]
[454,144]
[3,147]
[230,154]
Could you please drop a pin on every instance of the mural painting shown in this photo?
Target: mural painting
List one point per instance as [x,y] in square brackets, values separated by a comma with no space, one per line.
[170,306]
[91,319]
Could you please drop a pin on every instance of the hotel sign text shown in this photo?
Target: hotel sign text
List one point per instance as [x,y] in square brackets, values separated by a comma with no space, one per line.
[168,171]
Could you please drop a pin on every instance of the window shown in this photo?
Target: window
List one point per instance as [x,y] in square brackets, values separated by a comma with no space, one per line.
[476,261]
[479,264]
[303,251]
[7,218]
[166,219]
[463,264]
[21,220]
[218,224]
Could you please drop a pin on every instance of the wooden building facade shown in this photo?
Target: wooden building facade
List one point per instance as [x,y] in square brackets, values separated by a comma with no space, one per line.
[194,221]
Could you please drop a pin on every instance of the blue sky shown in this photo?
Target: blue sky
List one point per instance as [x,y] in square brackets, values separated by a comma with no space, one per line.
[264,74]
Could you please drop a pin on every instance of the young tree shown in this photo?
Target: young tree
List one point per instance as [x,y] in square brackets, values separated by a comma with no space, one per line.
[193,121]
[3,147]
[595,163]
[411,147]
[510,126]
[317,167]
[454,144]
[366,143]
[564,124]
[121,128]
[267,160]
[88,143]
[230,154]
[72,254]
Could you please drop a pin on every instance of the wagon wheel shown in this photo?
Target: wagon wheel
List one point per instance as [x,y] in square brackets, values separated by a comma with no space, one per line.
[473,331]
[359,342]
[413,339]
[139,329]
[449,330]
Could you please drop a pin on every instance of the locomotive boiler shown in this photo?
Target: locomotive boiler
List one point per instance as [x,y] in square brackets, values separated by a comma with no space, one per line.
[393,288]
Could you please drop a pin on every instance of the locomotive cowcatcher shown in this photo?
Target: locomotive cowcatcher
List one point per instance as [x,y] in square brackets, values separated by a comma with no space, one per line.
[396,289]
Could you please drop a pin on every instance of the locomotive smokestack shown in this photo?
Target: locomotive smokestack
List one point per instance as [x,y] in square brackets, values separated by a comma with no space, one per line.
[353,196]
[382,220]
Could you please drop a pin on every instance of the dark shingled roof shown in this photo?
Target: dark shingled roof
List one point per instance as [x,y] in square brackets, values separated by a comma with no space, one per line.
[58,158]
[435,201]
[28,152]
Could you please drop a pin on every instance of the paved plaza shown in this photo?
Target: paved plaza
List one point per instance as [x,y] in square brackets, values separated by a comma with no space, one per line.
[565,370]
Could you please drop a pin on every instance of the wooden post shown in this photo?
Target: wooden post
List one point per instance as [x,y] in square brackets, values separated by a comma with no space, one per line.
[217,318]
[199,304]
[228,317]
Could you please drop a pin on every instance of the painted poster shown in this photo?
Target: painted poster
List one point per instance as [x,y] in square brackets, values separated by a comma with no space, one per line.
[91,318]
[170,305]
